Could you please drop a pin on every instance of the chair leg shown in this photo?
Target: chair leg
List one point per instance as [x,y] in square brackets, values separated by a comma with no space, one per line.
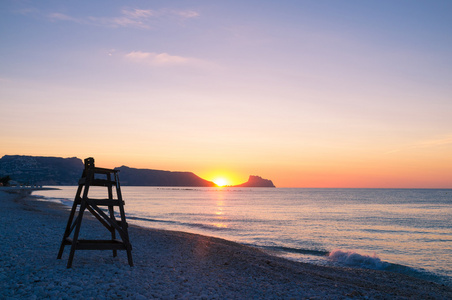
[76,233]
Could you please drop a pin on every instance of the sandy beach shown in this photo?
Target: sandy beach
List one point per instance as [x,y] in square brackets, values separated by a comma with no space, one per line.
[169,265]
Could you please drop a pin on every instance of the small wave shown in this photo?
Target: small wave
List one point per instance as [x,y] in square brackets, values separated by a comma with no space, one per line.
[354,259]
[64,201]
[296,250]
[212,227]
[130,217]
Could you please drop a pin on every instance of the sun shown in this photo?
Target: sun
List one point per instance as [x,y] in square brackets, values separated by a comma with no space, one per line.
[220,181]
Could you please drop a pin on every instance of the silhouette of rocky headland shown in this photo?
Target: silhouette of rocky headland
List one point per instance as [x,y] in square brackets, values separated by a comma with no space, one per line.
[40,170]
[256,181]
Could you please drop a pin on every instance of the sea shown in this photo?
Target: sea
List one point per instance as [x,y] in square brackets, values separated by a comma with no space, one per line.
[406,231]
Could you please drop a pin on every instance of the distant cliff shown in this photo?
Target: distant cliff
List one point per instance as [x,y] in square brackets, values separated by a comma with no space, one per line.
[67,171]
[256,181]
[38,170]
[148,177]
[41,170]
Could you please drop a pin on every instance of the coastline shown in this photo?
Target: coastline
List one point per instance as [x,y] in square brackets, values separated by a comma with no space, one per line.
[170,264]
[23,191]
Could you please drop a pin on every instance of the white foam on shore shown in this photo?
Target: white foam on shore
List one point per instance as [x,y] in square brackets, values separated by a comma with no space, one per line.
[355,259]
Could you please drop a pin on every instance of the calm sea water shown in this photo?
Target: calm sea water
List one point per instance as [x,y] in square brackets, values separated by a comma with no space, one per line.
[401,230]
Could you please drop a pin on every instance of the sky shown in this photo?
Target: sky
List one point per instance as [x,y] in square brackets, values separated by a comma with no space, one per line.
[305,93]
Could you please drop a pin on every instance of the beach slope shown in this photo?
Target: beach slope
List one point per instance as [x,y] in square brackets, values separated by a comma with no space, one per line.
[169,265]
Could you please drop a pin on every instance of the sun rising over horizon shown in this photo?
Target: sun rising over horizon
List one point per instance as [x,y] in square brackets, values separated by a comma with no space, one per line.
[221,181]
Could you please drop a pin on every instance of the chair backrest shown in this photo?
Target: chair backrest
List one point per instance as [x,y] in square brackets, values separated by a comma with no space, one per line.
[89,163]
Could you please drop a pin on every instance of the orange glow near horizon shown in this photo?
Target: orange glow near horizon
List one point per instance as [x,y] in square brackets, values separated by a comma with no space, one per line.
[221,181]
[222,176]
[416,168]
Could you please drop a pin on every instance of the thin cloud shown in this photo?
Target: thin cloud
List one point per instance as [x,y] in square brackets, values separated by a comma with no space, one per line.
[139,13]
[187,14]
[134,18]
[64,17]
[159,59]
[138,18]
[121,22]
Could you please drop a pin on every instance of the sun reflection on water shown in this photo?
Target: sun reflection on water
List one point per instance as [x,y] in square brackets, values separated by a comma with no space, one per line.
[219,212]
[220,225]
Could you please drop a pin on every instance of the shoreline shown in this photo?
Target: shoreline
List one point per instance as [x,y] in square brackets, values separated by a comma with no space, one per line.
[23,191]
[170,264]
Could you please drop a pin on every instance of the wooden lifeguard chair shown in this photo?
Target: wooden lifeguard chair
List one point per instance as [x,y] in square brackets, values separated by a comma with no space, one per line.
[90,177]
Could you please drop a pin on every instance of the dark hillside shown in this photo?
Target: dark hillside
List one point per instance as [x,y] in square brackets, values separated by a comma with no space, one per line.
[41,170]
[148,177]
